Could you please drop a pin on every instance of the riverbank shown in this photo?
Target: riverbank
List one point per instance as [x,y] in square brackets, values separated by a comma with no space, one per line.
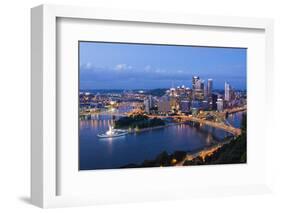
[152,128]
[206,152]
[192,154]
[232,150]
[156,146]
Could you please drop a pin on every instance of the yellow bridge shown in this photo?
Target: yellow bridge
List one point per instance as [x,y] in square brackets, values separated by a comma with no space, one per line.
[203,121]
[227,128]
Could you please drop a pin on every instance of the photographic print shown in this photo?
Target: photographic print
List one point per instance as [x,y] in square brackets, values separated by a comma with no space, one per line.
[155,105]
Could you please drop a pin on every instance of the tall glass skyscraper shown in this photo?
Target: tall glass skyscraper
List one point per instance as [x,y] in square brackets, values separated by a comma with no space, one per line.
[227,91]
[209,87]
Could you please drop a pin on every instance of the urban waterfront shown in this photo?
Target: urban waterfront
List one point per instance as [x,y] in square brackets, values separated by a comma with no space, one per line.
[137,115]
[110,153]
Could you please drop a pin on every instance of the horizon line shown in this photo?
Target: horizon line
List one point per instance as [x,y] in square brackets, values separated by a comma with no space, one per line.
[158,88]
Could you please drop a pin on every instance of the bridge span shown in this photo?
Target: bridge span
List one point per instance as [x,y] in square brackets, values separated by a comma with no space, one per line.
[236,109]
[219,125]
[103,113]
[227,128]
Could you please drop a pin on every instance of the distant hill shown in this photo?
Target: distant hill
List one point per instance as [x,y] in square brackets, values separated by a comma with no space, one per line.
[156,92]
[153,92]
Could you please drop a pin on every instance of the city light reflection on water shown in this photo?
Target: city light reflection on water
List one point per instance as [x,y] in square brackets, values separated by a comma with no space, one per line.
[97,153]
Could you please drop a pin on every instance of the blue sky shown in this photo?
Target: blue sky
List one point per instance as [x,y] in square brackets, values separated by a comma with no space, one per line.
[138,66]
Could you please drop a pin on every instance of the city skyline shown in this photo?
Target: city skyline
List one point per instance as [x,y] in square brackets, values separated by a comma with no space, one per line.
[138,66]
[146,105]
[206,85]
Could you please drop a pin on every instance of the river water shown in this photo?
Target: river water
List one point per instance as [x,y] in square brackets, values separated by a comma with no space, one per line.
[111,153]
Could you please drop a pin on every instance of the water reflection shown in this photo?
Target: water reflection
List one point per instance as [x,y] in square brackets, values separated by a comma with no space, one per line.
[102,153]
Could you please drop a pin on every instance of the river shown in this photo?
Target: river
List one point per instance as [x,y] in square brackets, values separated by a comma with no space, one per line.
[111,153]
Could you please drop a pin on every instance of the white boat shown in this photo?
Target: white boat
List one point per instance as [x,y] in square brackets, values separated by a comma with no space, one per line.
[111,133]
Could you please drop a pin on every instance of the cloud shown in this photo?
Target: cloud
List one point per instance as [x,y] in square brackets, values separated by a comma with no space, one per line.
[117,75]
[120,67]
[121,76]
[160,71]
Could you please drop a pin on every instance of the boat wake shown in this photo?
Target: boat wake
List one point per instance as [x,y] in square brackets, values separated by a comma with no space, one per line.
[111,133]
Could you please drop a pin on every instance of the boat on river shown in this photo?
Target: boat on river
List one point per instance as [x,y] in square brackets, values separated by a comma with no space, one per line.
[111,133]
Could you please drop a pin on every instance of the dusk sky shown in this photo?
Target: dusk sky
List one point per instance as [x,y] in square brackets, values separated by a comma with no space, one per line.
[138,66]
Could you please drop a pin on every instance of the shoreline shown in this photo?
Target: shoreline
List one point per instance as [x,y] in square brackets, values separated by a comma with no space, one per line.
[203,153]
[152,128]
[206,151]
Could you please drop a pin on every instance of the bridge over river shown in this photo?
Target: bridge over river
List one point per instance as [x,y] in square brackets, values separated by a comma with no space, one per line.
[89,113]
[219,125]
[203,121]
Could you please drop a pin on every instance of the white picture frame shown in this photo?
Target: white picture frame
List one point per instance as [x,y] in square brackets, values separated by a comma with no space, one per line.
[44,150]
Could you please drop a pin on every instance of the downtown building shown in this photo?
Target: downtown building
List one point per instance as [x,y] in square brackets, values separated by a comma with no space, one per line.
[164,104]
[229,95]
[198,88]
[185,106]
[209,87]
[219,104]
[148,104]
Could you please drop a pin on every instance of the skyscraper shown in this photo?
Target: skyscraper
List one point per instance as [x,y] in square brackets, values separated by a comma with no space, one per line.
[146,105]
[219,105]
[185,105]
[199,84]
[164,104]
[194,81]
[150,101]
[209,87]
[198,88]
[227,91]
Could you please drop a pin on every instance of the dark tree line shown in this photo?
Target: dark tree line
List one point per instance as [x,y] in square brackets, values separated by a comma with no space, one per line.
[233,152]
[139,121]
